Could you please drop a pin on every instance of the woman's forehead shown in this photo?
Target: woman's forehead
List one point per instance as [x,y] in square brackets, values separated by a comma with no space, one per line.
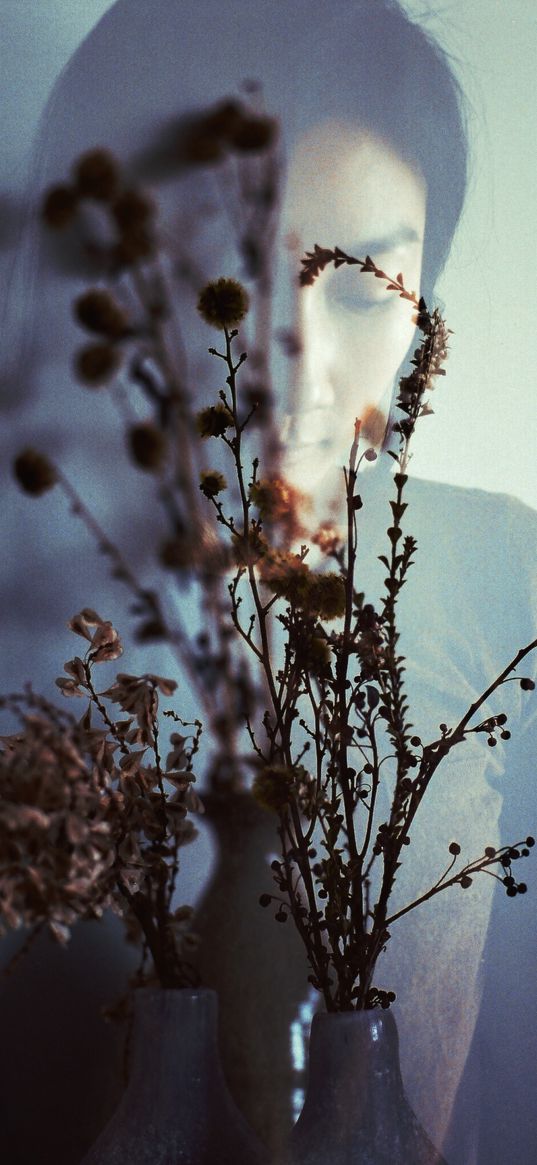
[346,180]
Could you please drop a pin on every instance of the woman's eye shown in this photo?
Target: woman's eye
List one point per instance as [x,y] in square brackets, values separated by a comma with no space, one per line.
[355,292]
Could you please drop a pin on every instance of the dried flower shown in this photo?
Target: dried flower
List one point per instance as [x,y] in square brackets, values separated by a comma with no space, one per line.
[373,427]
[327,596]
[328,538]
[213,421]
[139,696]
[223,303]
[96,364]
[148,446]
[212,483]
[98,311]
[96,175]
[34,472]
[287,576]
[272,787]
[282,504]
[59,207]
[85,820]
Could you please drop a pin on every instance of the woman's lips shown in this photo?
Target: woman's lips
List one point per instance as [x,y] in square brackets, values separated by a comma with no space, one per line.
[301,448]
[306,431]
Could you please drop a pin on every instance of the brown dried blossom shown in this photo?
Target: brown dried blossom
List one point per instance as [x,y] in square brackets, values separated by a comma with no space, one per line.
[90,819]
[339,696]
[223,303]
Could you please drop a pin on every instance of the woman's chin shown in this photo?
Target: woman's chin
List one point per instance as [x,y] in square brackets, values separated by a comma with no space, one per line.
[317,475]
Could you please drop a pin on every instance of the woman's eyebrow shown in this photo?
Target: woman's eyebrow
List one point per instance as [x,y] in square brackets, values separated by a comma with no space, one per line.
[401,234]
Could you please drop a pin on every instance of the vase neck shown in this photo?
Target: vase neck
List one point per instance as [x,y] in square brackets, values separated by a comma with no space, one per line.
[175,1051]
[352,1053]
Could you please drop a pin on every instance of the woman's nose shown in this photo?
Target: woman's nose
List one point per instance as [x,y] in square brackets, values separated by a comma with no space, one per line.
[314,372]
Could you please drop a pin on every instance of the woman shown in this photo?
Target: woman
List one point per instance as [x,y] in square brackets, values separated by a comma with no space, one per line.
[375,161]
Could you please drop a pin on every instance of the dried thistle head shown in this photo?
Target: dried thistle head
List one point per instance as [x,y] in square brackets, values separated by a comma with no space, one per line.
[212,483]
[223,303]
[214,421]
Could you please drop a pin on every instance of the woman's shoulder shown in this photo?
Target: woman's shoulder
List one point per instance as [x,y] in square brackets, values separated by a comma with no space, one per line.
[479,504]
[475,565]
[474,523]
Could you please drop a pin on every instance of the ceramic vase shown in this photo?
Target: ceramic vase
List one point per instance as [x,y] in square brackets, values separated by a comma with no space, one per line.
[257,967]
[177,1109]
[356,1111]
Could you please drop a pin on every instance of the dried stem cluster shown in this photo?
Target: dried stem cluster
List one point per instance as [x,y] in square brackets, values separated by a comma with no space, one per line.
[338,726]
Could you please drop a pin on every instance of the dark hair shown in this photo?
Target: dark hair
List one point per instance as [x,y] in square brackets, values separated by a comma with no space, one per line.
[363,61]
[398,83]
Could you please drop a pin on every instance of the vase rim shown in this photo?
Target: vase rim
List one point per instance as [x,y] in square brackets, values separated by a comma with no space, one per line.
[366,1015]
[173,992]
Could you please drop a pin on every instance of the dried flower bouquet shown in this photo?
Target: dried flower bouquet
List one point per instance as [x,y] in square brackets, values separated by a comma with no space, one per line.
[90,816]
[335,686]
[339,726]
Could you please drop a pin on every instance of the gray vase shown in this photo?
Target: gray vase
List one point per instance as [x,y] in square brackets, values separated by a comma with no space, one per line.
[257,967]
[177,1109]
[356,1111]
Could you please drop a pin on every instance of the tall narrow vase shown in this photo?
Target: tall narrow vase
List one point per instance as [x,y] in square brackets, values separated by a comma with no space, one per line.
[177,1109]
[258,968]
[356,1111]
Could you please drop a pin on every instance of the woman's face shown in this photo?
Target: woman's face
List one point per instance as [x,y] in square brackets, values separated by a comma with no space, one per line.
[349,189]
